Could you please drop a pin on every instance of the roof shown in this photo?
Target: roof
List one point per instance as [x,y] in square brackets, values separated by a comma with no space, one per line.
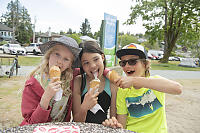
[47,35]
[5,28]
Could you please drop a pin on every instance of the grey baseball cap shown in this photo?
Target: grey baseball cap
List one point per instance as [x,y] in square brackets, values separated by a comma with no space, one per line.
[68,42]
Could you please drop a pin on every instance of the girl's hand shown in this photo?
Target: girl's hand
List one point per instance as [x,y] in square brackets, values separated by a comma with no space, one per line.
[53,86]
[112,122]
[90,99]
[125,82]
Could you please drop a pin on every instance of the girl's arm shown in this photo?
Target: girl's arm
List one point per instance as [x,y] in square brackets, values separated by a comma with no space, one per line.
[79,113]
[79,110]
[113,100]
[159,84]
[122,120]
[34,109]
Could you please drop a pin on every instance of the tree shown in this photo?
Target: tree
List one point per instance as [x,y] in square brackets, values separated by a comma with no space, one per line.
[75,37]
[85,28]
[24,30]
[168,20]
[126,39]
[17,17]
[62,32]
[69,31]
[97,34]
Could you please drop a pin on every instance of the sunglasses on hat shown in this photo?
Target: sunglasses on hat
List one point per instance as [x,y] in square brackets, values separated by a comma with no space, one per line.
[131,62]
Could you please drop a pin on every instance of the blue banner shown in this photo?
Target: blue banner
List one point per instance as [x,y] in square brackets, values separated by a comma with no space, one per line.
[110,34]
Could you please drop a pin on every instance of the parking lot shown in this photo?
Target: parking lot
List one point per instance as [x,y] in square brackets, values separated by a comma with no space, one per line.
[28,55]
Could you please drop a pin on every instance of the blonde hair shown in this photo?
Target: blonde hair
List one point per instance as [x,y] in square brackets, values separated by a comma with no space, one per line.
[147,64]
[43,70]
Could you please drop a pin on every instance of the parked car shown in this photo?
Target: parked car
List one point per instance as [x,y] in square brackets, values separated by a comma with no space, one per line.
[14,49]
[33,48]
[172,58]
[157,54]
[150,56]
[1,47]
[177,58]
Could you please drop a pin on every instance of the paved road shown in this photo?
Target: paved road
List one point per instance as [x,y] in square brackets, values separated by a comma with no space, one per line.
[170,74]
[173,74]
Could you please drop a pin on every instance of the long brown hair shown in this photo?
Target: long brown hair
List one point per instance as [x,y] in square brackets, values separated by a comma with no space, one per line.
[89,47]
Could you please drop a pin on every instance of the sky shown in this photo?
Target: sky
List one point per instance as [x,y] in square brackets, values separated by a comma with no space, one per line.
[64,14]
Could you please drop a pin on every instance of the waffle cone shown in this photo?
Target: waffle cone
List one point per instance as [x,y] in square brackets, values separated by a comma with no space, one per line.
[54,72]
[94,83]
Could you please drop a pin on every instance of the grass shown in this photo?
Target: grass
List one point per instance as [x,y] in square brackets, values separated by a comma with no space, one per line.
[10,101]
[23,61]
[29,61]
[171,65]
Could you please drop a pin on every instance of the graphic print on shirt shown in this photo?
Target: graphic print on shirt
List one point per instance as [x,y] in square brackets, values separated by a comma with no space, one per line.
[142,105]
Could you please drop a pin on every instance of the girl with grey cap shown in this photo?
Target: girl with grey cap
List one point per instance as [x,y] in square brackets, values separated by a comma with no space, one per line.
[38,104]
[140,98]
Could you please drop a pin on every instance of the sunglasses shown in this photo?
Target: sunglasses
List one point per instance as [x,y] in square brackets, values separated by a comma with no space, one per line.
[131,62]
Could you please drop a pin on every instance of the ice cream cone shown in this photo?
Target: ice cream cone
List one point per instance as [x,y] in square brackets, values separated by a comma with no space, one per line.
[94,83]
[113,75]
[54,72]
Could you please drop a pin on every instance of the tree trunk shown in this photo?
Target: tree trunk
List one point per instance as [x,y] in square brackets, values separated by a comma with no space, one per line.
[165,57]
[171,33]
[168,52]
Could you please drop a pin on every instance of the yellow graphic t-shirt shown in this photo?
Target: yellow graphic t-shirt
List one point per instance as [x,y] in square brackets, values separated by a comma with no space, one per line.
[145,109]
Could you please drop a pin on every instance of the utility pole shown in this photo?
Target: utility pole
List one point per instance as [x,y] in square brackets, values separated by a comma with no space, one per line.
[13,26]
[34,29]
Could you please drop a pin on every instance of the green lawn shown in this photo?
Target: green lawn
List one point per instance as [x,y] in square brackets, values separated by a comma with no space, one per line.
[23,61]
[29,61]
[171,65]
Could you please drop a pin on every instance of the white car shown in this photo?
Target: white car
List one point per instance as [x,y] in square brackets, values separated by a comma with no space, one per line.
[1,47]
[33,48]
[14,49]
